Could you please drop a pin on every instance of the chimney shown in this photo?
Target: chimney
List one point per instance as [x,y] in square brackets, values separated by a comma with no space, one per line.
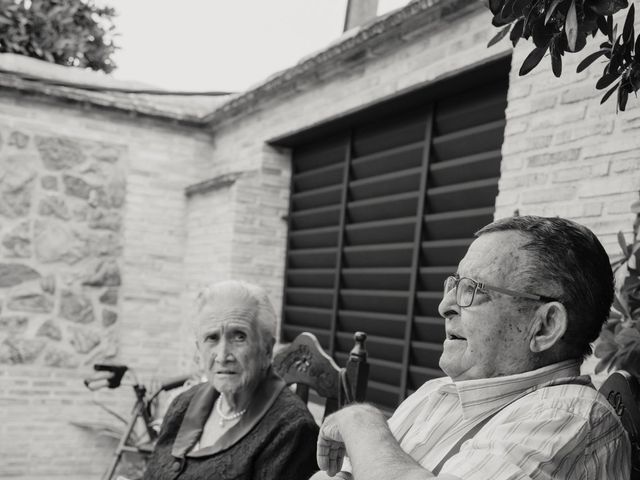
[359,12]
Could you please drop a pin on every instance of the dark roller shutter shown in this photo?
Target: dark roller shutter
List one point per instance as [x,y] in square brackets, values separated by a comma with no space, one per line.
[381,212]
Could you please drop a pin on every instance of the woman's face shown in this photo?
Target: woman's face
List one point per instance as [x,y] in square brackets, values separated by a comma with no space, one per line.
[232,349]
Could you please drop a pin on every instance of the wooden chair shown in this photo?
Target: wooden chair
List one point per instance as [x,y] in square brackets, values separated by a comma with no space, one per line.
[623,392]
[306,364]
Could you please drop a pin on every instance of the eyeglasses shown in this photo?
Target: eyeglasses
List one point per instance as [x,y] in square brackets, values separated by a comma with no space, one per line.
[466,289]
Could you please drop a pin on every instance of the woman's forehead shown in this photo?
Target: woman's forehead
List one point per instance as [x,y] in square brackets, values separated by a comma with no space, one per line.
[220,315]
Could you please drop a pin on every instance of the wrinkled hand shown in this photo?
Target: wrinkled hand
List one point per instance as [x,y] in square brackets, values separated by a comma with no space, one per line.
[331,449]
[346,423]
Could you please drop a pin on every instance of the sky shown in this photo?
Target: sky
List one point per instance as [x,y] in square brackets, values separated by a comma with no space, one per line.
[221,45]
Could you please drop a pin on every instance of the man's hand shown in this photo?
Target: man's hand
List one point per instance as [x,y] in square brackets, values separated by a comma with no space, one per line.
[331,449]
[344,426]
[361,432]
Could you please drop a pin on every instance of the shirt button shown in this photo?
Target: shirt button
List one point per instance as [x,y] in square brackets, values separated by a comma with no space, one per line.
[176,466]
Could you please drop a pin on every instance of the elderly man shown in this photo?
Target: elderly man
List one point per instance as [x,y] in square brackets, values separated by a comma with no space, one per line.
[528,298]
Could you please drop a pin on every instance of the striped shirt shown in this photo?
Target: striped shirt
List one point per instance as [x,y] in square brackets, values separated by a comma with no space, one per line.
[549,423]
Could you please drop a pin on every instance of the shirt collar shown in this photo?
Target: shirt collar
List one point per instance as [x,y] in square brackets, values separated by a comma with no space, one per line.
[484,396]
[200,408]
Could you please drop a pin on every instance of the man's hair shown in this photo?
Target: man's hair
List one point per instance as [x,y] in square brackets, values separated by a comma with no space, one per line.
[568,263]
[244,294]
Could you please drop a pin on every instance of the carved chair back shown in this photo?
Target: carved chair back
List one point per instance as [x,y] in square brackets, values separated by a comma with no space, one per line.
[305,364]
[623,392]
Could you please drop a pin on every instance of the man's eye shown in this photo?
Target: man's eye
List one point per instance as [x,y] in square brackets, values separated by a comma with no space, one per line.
[468,288]
[214,337]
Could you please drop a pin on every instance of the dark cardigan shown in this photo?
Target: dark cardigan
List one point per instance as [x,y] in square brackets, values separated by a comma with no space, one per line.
[278,443]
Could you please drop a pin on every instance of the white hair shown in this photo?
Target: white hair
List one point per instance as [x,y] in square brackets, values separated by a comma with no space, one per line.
[246,294]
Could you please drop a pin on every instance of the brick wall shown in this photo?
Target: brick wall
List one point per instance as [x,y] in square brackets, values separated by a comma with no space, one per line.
[155,161]
[565,154]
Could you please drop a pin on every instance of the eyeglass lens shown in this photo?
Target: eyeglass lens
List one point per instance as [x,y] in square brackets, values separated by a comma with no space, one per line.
[465,290]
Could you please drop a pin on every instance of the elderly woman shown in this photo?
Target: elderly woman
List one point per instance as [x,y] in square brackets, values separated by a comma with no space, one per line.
[243,423]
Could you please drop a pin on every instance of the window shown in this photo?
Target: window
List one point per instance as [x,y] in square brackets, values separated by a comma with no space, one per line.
[384,203]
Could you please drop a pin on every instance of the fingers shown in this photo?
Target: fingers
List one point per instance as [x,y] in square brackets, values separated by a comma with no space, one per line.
[331,449]
[330,455]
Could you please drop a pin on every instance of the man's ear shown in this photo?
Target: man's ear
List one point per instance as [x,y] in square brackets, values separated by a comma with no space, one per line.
[550,323]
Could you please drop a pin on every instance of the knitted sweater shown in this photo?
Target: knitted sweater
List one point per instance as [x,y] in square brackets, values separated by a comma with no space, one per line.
[280,446]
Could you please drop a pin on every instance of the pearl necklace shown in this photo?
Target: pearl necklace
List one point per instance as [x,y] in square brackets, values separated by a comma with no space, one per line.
[227,418]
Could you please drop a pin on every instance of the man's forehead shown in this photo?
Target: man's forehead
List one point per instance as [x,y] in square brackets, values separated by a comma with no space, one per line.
[494,254]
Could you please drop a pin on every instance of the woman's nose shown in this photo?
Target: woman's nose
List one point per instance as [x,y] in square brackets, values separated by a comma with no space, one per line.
[223,351]
[448,306]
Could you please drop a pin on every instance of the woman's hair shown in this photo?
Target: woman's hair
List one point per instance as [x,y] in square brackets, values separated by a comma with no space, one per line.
[569,263]
[246,294]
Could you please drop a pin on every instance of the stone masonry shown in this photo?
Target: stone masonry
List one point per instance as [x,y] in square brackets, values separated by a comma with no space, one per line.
[62,203]
[92,209]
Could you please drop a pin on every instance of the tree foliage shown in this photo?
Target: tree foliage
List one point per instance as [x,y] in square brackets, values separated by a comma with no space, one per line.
[560,26]
[618,346]
[67,32]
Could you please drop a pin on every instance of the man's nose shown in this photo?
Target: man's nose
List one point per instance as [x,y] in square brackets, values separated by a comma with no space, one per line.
[448,306]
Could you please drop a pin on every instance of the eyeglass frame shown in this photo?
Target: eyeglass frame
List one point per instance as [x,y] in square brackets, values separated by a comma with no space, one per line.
[484,286]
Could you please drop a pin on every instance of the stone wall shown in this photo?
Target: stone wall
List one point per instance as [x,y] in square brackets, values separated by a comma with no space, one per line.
[92,244]
[61,204]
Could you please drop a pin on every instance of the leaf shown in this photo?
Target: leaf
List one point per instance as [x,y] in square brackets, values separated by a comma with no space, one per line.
[637,47]
[589,59]
[628,336]
[556,60]
[611,29]
[499,36]
[495,6]
[623,95]
[532,60]
[607,7]
[550,10]
[604,364]
[602,25]
[519,7]
[100,428]
[571,26]
[627,31]
[606,80]
[516,32]
[505,15]
[623,244]
[620,305]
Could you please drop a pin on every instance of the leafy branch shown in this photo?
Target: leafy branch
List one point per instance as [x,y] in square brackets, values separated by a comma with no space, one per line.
[560,26]
[618,346]
[67,32]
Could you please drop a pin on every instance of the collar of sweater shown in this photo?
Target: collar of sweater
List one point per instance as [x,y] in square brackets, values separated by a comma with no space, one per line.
[201,406]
